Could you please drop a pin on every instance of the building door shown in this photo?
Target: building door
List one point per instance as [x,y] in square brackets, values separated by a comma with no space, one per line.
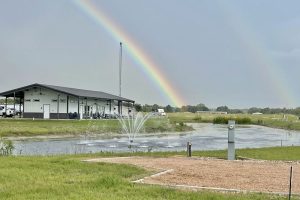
[46,111]
[86,111]
[81,111]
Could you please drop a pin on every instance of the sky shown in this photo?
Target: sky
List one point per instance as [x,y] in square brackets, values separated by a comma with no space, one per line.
[235,53]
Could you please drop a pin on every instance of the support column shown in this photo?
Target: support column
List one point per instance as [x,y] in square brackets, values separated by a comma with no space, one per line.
[5,105]
[110,106]
[20,107]
[14,104]
[128,108]
[85,109]
[67,104]
[120,107]
[23,106]
[58,106]
[78,114]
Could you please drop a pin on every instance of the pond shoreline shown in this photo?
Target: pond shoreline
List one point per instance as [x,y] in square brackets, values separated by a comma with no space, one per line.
[205,137]
[194,125]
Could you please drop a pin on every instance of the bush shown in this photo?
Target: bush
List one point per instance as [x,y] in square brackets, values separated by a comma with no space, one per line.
[244,120]
[224,120]
[6,147]
[220,120]
[197,119]
[182,127]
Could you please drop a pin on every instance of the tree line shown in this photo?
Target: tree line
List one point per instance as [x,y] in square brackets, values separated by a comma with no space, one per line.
[203,107]
[170,109]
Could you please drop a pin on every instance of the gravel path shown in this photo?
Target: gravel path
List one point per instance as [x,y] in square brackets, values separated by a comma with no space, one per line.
[258,176]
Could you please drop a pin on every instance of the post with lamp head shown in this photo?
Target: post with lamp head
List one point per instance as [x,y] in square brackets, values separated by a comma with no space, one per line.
[120,70]
[231,142]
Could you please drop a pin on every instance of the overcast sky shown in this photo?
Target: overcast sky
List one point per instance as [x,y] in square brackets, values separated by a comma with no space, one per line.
[235,53]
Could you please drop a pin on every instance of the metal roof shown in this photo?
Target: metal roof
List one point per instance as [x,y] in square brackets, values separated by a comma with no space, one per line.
[71,91]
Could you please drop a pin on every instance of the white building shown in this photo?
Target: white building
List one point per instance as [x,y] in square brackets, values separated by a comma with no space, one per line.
[56,102]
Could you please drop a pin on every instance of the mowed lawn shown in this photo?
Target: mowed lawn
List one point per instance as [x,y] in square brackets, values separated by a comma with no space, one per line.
[29,127]
[282,121]
[174,122]
[67,177]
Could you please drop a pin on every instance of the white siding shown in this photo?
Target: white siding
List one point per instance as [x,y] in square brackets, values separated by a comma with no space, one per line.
[125,110]
[36,98]
[101,106]
[73,104]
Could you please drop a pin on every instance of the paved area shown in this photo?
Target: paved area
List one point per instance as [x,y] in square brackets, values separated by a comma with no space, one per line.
[258,176]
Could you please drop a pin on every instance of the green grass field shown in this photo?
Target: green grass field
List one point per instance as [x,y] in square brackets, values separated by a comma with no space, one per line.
[289,122]
[175,122]
[27,127]
[291,153]
[66,177]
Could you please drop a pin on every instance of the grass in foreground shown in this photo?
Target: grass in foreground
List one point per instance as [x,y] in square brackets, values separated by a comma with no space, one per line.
[270,153]
[291,153]
[66,177]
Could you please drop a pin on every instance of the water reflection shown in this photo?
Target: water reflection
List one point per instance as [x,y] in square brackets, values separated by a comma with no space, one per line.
[205,137]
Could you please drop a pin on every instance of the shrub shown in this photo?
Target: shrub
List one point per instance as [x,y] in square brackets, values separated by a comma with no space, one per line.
[224,120]
[220,120]
[182,127]
[244,120]
[6,147]
[197,119]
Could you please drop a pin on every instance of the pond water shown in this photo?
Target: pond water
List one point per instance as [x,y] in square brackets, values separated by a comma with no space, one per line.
[204,137]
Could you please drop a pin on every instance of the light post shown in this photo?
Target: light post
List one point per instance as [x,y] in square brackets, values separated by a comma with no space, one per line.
[120,70]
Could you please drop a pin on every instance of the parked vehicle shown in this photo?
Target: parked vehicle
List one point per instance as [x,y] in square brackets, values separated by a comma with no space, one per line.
[2,110]
[9,112]
[161,112]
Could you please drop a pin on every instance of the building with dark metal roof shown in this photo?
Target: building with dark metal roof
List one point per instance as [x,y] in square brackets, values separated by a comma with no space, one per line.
[57,102]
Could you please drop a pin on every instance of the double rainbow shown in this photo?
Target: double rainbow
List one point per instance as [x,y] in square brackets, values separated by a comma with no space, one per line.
[265,65]
[147,65]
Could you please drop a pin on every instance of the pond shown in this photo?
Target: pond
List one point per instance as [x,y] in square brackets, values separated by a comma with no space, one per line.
[204,137]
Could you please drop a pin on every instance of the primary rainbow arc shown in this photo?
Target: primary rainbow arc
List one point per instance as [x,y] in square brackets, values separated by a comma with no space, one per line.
[147,65]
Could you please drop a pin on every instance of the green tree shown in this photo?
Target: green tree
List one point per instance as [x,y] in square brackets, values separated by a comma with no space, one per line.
[254,110]
[235,111]
[138,107]
[155,107]
[222,109]
[201,107]
[146,108]
[176,109]
[184,109]
[169,109]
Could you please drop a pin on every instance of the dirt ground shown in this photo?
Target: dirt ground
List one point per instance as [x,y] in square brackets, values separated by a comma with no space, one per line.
[256,176]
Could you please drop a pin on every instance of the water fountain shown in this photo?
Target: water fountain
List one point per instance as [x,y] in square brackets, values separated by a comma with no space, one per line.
[132,124]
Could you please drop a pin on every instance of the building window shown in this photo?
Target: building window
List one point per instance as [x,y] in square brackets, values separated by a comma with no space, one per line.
[36,100]
[54,100]
[28,100]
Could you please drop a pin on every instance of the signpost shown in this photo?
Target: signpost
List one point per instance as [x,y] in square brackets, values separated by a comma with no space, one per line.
[231,143]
